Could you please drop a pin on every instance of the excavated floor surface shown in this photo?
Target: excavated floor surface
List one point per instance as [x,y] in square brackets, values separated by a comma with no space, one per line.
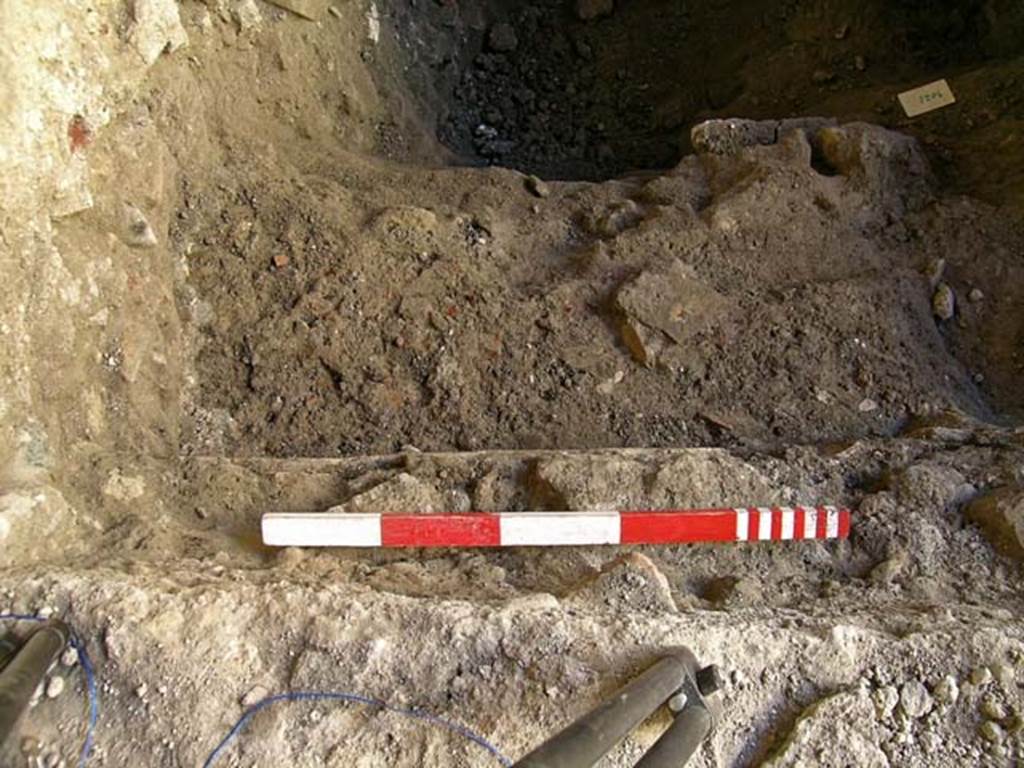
[294,264]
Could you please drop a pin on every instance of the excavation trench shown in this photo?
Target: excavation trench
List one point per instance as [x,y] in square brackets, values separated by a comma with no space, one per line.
[404,256]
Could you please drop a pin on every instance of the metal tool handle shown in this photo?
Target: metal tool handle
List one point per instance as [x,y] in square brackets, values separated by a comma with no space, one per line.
[677,745]
[589,738]
[22,675]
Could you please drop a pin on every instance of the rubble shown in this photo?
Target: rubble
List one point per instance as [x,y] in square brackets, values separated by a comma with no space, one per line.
[502,38]
[944,302]
[890,569]
[401,493]
[593,9]
[915,701]
[537,187]
[992,732]
[730,136]
[843,722]
[1000,514]
[137,231]
[885,700]
[307,9]
[947,691]
[629,582]
[573,483]
[869,156]
[156,28]
[980,677]
[663,307]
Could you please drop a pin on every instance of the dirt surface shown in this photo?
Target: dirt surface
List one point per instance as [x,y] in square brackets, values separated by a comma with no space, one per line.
[694,256]
[425,314]
[348,307]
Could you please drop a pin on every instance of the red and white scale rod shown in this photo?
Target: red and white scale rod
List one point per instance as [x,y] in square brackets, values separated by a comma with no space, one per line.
[550,529]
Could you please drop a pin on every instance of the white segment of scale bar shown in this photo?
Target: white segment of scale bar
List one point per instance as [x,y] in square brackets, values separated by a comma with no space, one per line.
[322,529]
[541,529]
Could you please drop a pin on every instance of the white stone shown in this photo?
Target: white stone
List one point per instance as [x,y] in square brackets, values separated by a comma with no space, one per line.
[124,487]
[253,696]
[946,690]
[915,701]
[55,687]
[156,28]
[248,15]
[885,700]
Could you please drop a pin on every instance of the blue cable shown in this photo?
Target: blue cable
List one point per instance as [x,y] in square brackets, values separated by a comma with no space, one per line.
[90,683]
[352,698]
[94,706]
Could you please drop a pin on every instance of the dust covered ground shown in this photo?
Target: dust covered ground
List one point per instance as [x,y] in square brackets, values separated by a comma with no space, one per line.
[348,306]
[512,256]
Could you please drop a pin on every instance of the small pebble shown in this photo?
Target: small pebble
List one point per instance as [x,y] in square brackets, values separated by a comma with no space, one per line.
[991,709]
[888,570]
[915,701]
[30,746]
[930,742]
[69,658]
[867,405]
[592,9]
[138,233]
[946,690]
[1004,674]
[255,694]
[885,700]
[980,676]
[860,63]
[537,186]
[943,302]
[992,732]
[975,295]
[502,38]
[142,690]
[289,557]
[55,687]
[934,272]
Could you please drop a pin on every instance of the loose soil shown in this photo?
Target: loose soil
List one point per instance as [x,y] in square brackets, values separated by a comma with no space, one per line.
[347,306]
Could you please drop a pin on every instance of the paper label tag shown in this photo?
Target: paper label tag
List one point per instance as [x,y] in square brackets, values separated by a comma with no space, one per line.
[917,101]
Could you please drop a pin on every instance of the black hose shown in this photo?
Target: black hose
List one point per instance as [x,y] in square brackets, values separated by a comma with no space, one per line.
[677,745]
[23,673]
[589,738]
